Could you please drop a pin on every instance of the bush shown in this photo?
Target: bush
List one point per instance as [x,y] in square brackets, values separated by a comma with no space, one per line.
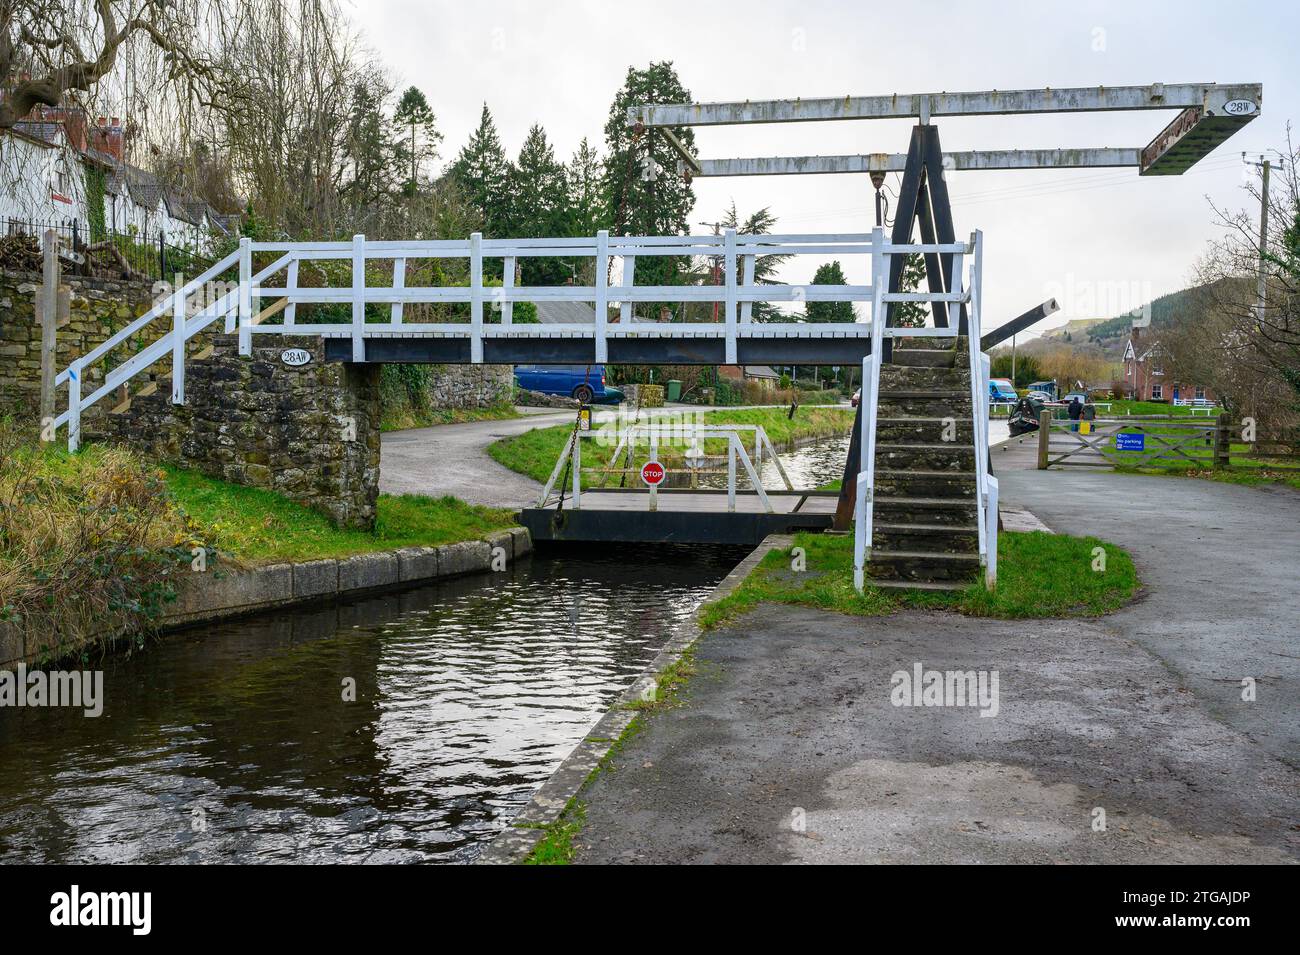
[89,543]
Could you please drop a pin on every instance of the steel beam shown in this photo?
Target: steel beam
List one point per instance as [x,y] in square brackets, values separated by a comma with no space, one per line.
[1210,97]
[1018,324]
[976,159]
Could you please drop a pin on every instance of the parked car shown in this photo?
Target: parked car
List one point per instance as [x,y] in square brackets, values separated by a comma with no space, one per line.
[582,382]
[1083,399]
[1002,390]
[1039,396]
[1046,387]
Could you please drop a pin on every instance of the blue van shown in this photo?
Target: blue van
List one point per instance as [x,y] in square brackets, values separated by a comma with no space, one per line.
[583,382]
[1001,391]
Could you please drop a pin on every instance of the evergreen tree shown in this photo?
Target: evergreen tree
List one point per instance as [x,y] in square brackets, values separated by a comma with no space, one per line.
[539,196]
[483,174]
[643,193]
[765,266]
[584,205]
[911,314]
[418,124]
[829,274]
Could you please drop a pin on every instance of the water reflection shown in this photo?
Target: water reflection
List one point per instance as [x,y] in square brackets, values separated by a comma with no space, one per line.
[234,744]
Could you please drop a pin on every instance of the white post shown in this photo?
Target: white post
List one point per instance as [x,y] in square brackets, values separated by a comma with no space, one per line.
[577,472]
[654,456]
[245,296]
[507,284]
[731,471]
[747,308]
[290,287]
[358,298]
[627,313]
[476,299]
[178,347]
[602,294]
[74,404]
[991,535]
[729,242]
[399,282]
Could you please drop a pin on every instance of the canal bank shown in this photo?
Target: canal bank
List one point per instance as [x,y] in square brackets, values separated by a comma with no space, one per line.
[1126,739]
[217,594]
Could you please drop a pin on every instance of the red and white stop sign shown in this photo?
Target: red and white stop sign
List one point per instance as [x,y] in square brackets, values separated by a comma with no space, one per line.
[653,473]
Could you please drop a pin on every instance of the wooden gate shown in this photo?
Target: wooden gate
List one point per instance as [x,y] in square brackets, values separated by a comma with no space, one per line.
[1135,441]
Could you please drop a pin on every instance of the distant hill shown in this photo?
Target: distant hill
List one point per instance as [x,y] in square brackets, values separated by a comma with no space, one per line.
[1163,312]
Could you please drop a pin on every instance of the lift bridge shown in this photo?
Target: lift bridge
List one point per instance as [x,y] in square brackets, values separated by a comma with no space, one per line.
[264,301]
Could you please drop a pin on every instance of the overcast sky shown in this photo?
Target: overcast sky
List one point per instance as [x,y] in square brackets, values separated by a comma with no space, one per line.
[1084,236]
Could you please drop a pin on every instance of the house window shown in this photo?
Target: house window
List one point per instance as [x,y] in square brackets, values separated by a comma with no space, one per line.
[1200,394]
[1157,391]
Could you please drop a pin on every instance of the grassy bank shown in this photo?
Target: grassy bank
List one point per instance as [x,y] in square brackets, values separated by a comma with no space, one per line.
[1039,575]
[253,526]
[534,453]
[94,541]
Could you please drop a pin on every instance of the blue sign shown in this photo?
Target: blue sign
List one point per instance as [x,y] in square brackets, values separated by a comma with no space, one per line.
[1130,441]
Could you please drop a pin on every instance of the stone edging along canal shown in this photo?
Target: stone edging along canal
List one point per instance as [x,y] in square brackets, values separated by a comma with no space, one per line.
[513,844]
[220,594]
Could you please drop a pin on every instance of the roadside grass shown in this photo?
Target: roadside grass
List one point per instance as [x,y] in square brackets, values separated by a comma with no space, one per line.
[557,846]
[1039,575]
[535,452]
[255,526]
[400,419]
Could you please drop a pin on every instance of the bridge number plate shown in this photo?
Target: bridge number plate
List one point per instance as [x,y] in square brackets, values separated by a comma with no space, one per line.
[293,357]
[653,473]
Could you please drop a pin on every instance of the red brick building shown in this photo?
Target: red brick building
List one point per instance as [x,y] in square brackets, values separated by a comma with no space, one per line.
[1145,378]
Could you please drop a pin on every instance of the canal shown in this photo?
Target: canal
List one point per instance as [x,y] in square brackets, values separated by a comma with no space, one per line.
[407,727]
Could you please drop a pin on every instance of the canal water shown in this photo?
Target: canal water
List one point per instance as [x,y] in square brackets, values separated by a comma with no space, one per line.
[234,743]
[408,727]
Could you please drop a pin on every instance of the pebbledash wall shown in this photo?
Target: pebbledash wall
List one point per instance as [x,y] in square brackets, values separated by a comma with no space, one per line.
[309,432]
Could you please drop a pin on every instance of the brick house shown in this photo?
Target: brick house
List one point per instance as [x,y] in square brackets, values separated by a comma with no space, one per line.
[1145,378]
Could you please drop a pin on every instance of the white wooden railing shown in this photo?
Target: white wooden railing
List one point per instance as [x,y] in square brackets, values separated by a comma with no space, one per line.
[193,307]
[986,483]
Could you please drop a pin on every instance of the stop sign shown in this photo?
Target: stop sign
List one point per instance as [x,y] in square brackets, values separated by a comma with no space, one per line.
[653,473]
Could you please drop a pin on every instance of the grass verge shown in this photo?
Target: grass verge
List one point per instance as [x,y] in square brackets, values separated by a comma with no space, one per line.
[1039,575]
[259,527]
[535,452]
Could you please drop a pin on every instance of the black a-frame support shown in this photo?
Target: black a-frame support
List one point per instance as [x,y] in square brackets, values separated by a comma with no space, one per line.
[922,199]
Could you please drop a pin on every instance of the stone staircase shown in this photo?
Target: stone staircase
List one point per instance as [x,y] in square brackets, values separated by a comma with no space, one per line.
[925,531]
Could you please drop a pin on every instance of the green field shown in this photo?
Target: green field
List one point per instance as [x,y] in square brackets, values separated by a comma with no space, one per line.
[534,453]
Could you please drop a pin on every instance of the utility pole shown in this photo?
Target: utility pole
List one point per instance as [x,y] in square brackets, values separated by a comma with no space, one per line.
[1260,284]
[1013,361]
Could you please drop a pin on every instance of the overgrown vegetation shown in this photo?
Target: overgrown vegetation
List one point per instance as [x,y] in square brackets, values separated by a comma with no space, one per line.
[406,400]
[95,542]
[535,452]
[89,542]
[1039,575]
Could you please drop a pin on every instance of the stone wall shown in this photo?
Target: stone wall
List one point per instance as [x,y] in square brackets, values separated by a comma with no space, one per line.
[471,386]
[310,433]
[97,309]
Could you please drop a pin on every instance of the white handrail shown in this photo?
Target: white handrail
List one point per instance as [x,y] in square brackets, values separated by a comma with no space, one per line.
[864,503]
[737,293]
